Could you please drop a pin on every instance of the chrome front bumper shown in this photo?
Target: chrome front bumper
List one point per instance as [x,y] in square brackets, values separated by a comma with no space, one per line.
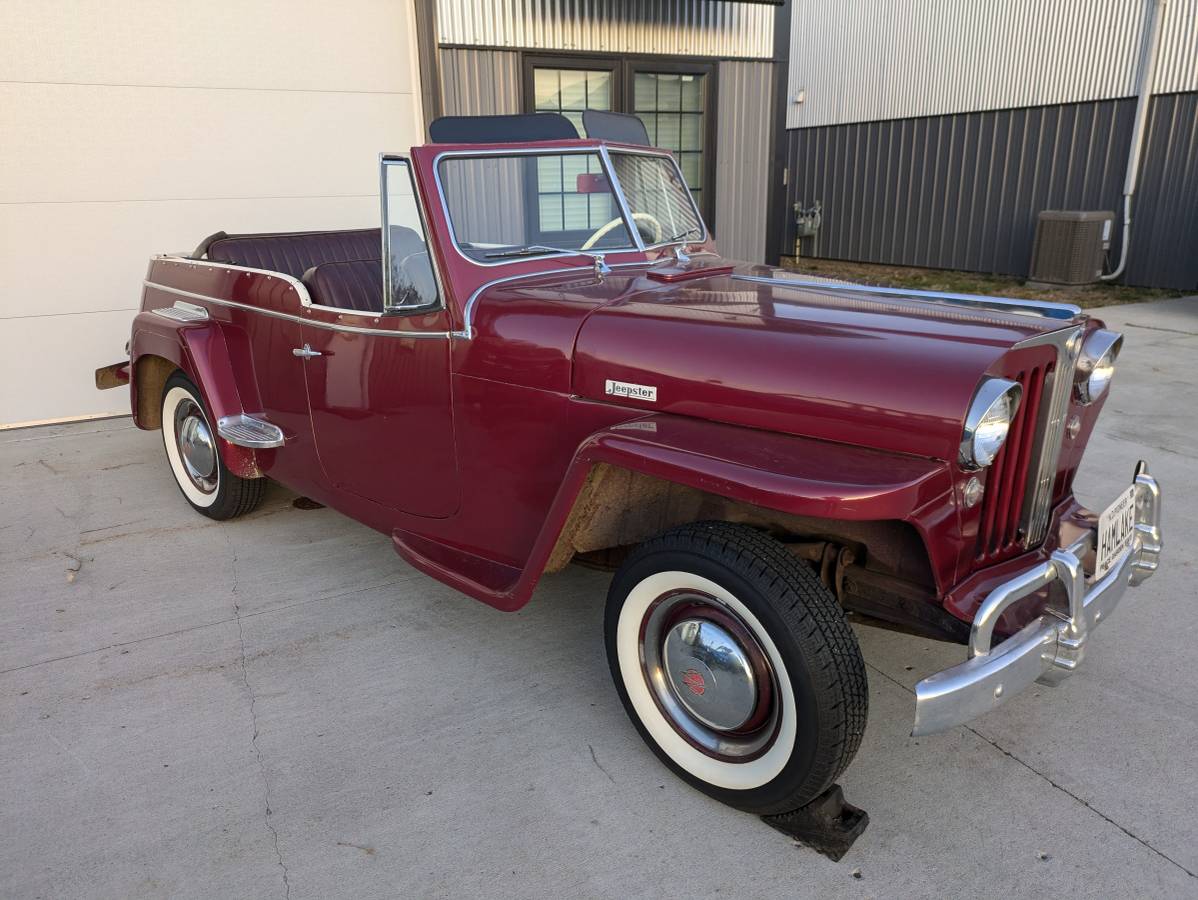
[1049,648]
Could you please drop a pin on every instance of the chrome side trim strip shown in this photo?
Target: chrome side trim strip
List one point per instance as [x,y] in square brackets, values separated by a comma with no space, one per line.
[467,331]
[314,323]
[1041,308]
[299,286]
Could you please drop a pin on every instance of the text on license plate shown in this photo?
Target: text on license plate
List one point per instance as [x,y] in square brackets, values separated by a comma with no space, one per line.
[1116,526]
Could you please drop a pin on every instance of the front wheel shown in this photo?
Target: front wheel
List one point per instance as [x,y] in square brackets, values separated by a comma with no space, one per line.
[194,456]
[736,665]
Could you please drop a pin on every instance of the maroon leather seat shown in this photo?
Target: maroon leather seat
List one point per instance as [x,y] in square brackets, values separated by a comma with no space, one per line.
[356,285]
[296,252]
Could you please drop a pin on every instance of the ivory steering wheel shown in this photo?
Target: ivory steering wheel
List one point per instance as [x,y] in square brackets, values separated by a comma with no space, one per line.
[659,233]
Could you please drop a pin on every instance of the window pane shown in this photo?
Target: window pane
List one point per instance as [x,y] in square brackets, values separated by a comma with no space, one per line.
[692,93]
[657,198]
[691,164]
[646,92]
[691,135]
[545,89]
[412,280]
[669,135]
[599,90]
[574,89]
[499,205]
[669,91]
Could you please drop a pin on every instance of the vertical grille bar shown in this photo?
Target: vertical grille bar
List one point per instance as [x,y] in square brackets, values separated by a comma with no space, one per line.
[1019,488]
[1037,503]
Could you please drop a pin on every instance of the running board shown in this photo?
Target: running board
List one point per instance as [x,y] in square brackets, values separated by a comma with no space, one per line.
[246,431]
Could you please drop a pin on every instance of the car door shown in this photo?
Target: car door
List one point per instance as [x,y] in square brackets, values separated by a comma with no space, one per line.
[379,379]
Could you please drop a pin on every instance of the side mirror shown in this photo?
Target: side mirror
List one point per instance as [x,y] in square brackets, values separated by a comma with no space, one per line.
[592,183]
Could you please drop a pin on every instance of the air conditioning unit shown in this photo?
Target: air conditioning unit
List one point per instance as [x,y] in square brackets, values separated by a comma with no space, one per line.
[1070,246]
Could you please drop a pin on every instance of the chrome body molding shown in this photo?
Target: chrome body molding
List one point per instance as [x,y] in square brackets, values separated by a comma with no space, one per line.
[313,323]
[467,331]
[1041,308]
[248,431]
[1051,647]
[1049,436]
[182,312]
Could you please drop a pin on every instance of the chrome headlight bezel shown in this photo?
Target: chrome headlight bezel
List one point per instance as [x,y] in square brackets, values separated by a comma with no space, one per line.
[991,395]
[1098,355]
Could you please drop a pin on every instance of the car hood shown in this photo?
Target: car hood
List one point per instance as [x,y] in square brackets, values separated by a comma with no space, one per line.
[895,373]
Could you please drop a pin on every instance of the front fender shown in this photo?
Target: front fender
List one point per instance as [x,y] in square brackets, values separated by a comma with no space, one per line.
[795,475]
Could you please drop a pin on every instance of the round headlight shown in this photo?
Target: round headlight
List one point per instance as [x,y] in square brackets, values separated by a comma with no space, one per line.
[989,419]
[1096,364]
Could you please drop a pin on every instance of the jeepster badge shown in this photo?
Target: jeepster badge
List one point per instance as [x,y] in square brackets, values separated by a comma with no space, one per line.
[634,391]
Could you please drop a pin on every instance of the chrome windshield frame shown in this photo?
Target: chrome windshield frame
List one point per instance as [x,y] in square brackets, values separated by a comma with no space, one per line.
[604,153]
[661,154]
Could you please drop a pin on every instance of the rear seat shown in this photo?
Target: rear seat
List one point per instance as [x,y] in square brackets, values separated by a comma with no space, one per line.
[356,285]
[297,252]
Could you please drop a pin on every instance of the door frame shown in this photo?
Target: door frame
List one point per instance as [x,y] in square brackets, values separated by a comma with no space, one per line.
[624,69]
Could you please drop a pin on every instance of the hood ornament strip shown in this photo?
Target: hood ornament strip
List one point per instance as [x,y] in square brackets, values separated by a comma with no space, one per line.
[1042,308]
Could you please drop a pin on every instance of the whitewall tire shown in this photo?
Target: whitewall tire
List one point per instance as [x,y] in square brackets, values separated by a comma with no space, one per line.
[193,452]
[736,665]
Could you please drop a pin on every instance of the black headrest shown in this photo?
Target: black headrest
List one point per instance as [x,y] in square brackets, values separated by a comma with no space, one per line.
[623,128]
[501,129]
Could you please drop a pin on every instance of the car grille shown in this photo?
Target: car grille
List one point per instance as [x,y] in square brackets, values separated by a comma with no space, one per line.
[1017,503]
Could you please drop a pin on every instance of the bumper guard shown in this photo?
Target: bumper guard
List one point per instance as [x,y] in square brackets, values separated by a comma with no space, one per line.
[1050,648]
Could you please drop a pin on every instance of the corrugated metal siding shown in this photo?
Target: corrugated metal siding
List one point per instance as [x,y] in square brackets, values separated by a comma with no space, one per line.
[963,191]
[681,27]
[892,59]
[482,83]
[742,159]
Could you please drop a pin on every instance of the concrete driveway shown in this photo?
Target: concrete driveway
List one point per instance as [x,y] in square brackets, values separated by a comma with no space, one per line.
[280,707]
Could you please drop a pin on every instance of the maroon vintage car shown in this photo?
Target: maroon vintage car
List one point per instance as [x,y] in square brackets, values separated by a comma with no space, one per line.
[541,358]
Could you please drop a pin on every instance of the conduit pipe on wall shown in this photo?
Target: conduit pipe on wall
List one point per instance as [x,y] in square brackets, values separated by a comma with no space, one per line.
[1147,72]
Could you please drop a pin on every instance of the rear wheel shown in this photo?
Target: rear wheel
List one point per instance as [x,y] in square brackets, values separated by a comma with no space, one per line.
[736,665]
[194,456]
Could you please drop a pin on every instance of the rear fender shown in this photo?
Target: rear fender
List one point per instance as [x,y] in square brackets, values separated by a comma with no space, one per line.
[207,353]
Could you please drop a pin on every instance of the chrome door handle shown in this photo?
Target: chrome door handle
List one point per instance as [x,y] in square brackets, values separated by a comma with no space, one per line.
[305,352]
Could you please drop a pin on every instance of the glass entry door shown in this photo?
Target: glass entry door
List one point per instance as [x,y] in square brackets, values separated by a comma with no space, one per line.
[674,100]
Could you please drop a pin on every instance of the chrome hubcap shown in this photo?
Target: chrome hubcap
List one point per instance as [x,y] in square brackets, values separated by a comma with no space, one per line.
[709,676]
[197,450]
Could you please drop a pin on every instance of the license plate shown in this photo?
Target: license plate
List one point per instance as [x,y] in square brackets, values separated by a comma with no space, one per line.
[1116,526]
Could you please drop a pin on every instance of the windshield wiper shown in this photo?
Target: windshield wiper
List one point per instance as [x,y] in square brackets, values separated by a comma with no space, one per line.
[598,259]
[680,253]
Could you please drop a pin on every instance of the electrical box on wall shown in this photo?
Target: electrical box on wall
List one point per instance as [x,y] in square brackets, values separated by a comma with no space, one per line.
[1070,246]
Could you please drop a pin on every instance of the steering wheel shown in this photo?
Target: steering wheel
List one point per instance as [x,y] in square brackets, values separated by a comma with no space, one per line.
[659,233]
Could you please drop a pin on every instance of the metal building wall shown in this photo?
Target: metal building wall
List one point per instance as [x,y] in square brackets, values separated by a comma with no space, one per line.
[893,59]
[683,27]
[963,191]
[482,83]
[742,159]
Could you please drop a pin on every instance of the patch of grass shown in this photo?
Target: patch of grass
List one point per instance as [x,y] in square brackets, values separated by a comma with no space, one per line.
[974,283]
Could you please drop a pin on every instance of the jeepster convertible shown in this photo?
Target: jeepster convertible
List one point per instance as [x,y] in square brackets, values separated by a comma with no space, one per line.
[540,358]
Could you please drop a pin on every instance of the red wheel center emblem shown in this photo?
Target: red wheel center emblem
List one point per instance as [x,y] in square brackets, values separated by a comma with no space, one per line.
[693,680]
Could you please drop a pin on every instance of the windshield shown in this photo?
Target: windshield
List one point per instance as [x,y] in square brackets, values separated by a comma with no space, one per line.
[507,207]
[658,198]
